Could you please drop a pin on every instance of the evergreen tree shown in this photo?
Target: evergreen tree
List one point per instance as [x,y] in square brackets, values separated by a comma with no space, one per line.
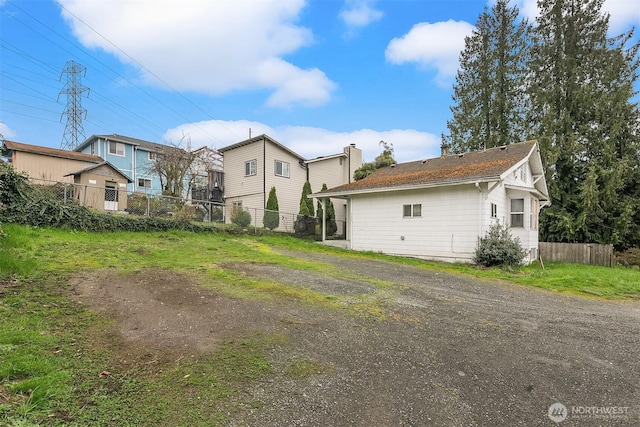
[330,221]
[271,217]
[304,200]
[382,160]
[489,93]
[581,92]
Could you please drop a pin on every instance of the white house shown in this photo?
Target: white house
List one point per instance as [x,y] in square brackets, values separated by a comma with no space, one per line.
[439,208]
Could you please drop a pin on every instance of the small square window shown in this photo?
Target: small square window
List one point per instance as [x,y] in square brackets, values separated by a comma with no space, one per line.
[116,148]
[152,155]
[282,169]
[250,167]
[144,183]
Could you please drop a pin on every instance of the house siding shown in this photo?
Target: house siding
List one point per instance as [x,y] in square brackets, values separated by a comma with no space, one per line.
[448,228]
[47,168]
[289,189]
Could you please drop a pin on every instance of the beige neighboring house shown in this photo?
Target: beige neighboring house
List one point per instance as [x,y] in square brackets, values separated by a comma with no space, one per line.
[253,166]
[45,163]
[97,184]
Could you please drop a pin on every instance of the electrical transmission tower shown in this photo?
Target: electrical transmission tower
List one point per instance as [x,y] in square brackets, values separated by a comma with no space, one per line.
[73,88]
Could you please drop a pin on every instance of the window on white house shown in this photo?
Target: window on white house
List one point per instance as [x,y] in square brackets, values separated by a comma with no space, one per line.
[116,148]
[282,169]
[411,210]
[494,210]
[144,183]
[533,215]
[250,167]
[236,206]
[517,212]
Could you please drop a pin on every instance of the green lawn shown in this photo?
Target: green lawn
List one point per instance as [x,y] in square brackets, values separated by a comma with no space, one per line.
[51,360]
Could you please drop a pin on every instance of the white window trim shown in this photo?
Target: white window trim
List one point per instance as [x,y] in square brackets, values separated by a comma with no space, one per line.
[412,208]
[282,174]
[520,213]
[144,181]
[252,170]
[118,144]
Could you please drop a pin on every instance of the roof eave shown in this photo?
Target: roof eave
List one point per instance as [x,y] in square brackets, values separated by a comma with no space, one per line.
[348,193]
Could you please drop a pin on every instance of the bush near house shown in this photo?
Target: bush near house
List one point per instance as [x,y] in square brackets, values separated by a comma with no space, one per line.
[498,247]
[241,218]
[271,217]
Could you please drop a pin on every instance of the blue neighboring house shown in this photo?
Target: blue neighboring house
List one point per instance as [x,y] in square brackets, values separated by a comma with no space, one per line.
[133,157]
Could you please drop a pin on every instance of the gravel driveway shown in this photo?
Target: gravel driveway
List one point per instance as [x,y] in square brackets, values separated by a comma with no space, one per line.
[449,350]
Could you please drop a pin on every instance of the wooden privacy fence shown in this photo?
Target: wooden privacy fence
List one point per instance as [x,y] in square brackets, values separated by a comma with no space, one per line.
[577,253]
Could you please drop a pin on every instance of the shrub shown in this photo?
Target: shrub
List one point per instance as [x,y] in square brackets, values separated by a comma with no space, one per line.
[271,218]
[241,218]
[498,247]
[629,258]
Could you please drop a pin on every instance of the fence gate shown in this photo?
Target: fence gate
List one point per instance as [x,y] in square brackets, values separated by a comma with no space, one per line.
[111,196]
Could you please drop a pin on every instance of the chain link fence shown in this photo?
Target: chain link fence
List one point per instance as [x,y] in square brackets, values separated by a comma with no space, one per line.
[119,200]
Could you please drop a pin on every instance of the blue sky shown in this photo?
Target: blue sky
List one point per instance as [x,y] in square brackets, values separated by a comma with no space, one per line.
[316,75]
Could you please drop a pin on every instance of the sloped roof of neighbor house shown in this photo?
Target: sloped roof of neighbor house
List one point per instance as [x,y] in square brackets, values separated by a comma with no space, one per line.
[51,152]
[257,139]
[146,145]
[477,166]
[92,167]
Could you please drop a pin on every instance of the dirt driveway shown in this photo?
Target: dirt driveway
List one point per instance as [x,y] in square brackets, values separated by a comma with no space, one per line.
[450,351]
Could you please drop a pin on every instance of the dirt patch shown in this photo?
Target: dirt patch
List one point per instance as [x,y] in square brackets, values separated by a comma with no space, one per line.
[464,352]
[168,314]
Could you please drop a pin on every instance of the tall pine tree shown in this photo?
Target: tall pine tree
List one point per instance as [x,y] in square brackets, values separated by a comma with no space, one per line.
[581,91]
[489,93]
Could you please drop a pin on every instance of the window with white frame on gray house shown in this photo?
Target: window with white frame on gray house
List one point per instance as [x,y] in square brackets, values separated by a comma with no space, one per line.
[116,148]
[409,211]
[282,168]
[250,167]
[517,213]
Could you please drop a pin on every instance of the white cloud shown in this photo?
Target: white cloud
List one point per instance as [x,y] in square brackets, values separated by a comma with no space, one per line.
[5,130]
[311,142]
[429,46]
[212,47]
[359,13]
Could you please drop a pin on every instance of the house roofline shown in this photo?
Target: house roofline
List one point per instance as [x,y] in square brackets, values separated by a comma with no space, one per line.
[257,139]
[331,156]
[347,194]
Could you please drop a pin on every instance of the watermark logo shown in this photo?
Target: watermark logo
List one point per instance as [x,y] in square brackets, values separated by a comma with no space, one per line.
[557,412]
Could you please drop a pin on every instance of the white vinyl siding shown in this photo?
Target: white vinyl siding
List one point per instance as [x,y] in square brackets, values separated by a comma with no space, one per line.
[448,228]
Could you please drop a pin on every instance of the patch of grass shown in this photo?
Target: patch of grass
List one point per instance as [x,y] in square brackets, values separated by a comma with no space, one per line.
[301,367]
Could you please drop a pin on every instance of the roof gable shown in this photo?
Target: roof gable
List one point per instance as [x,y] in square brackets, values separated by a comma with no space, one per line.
[486,165]
[93,167]
[145,145]
[259,138]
